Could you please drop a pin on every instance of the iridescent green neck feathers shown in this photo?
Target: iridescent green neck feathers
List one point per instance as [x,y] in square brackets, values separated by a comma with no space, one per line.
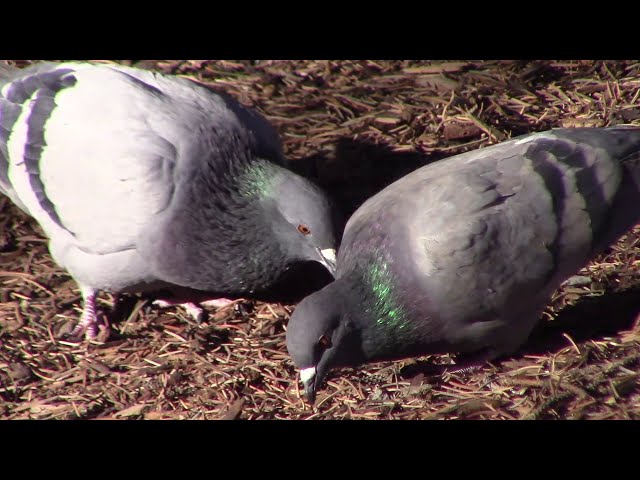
[384,303]
[257,180]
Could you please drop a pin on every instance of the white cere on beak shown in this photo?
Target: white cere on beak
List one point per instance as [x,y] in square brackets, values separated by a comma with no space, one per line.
[306,374]
[329,254]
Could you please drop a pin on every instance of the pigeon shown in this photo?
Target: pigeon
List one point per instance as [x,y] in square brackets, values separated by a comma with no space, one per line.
[145,182]
[463,255]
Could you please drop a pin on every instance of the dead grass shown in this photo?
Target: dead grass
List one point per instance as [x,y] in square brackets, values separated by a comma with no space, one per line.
[354,126]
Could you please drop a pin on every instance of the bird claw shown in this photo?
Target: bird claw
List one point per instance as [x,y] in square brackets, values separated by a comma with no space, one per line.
[449,369]
[162,303]
[88,323]
[217,303]
[91,329]
[195,310]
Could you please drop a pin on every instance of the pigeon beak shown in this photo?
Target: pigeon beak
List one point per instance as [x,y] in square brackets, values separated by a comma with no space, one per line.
[328,259]
[308,377]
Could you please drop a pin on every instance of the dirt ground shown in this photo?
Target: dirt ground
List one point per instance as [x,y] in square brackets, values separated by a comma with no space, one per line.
[354,126]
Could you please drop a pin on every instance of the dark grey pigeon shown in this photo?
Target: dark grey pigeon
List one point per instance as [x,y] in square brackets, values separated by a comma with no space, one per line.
[463,254]
[147,182]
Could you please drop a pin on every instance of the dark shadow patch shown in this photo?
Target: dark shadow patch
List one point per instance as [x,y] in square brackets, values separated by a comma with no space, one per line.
[122,309]
[358,169]
[591,318]
[538,75]
[298,282]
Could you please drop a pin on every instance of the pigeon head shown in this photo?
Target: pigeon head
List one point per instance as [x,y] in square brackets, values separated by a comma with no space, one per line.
[302,219]
[263,232]
[320,336]
[361,317]
[331,329]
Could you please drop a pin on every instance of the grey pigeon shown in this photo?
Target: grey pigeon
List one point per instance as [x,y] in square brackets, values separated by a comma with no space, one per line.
[148,182]
[463,255]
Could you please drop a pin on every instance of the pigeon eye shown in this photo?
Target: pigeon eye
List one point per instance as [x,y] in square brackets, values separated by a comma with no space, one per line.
[325,342]
[303,229]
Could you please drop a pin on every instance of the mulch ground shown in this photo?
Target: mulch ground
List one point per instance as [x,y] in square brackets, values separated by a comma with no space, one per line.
[354,126]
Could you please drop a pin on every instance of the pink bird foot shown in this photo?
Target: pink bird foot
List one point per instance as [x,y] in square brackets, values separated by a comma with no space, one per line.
[193,309]
[88,323]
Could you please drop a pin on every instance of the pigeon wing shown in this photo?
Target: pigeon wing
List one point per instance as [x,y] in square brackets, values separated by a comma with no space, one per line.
[491,233]
[87,164]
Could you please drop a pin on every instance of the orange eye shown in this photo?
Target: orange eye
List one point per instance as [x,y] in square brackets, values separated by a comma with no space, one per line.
[303,229]
[325,342]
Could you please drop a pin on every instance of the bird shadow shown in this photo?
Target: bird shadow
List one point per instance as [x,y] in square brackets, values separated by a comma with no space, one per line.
[355,170]
[298,282]
[590,319]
